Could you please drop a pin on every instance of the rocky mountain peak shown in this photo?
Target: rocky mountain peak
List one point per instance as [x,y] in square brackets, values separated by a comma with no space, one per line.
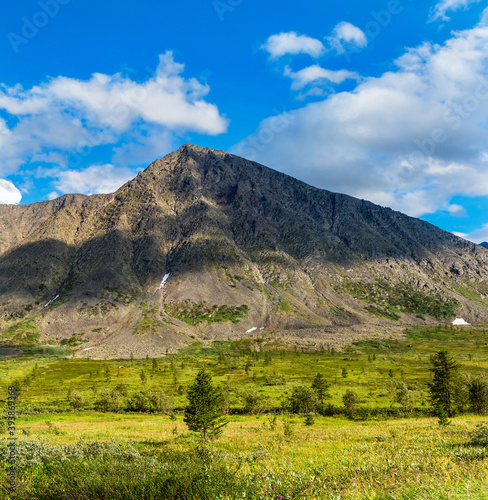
[244,246]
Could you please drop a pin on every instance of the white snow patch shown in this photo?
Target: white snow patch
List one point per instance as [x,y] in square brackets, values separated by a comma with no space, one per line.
[88,348]
[165,279]
[252,329]
[460,321]
[52,300]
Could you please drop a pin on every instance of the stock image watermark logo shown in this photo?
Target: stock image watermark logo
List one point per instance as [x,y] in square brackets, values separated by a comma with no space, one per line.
[380,20]
[223,7]
[31,26]
[12,445]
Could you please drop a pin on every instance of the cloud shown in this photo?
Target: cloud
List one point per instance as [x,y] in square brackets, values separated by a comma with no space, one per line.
[115,102]
[146,145]
[348,33]
[292,43]
[66,115]
[96,179]
[478,236]
[410,139]
[9,194]
[484,18]
[53,195]
[440,9]
[316,74]
[461,235]
[456,210]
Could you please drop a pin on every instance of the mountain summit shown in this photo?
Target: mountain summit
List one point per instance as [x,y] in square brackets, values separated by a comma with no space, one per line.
[205,245]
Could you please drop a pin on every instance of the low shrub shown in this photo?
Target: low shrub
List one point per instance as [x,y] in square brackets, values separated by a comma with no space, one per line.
[479,437]
[109,471]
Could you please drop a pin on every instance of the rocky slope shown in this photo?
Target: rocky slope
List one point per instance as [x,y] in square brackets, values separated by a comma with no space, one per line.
[246,247]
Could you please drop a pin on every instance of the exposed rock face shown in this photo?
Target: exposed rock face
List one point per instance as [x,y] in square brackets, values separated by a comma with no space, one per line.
[232,233]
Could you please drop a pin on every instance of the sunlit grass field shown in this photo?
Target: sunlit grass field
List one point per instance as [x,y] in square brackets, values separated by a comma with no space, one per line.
[270,455]
[334,458]
[371,367]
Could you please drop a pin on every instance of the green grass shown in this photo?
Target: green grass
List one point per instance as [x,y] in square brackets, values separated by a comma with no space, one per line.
[156,458]
[74,341]
[285,306]
[402,297]
[375,456]
[250,365]
[193,314]
[471,294]
[25,332]
[149,323]
[381,312]
[341,312]
[124,296]
[448,333]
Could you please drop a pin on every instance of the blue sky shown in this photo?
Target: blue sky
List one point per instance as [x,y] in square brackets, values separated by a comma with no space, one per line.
[386,100]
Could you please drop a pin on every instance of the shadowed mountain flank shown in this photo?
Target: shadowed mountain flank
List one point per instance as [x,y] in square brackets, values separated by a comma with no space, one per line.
[245,246]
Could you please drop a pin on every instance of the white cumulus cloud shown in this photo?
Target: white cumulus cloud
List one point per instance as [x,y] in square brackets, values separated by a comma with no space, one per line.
[96,179]
[348,33]
[63,119]
[145,146]
[478,236]
[456,210]
[441,8]
[9,194]
[53,195]
[344,34]
[292,43]
[315,74]
[115,102]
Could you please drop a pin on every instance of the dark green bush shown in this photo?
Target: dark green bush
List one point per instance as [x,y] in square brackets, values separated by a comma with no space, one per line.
[302,399]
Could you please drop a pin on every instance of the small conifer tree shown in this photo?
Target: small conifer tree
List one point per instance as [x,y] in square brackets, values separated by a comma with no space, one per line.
[443,370]
[203,411]
[321,388]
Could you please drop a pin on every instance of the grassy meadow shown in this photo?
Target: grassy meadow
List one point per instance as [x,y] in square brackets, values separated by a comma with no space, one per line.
[69,448]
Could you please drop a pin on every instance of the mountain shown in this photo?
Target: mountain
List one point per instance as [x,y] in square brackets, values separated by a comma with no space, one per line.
[246,248]
[484,244]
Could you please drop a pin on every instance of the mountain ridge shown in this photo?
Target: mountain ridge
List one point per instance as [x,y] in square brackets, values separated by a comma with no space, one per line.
[232,233]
